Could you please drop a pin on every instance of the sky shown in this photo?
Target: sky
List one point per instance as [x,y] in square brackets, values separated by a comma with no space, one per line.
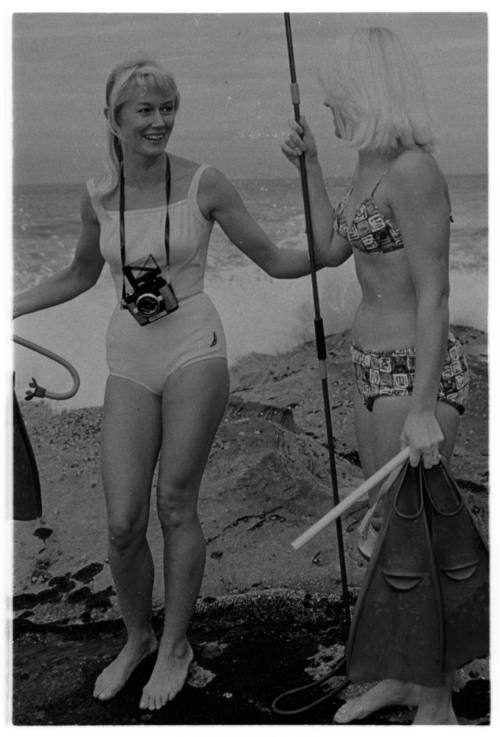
[232,72]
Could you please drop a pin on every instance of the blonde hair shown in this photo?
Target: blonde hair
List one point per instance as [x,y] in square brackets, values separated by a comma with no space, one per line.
[138,72]
[375,88]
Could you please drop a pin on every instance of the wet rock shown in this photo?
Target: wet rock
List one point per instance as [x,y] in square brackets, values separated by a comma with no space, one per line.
[79,595]
[62,583]
[24,601]
[87,574]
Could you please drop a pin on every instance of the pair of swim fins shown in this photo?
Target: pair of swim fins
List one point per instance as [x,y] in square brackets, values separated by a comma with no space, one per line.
[423,609]
[27,492]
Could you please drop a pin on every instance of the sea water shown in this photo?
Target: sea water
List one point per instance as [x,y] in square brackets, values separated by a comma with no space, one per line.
[260,314]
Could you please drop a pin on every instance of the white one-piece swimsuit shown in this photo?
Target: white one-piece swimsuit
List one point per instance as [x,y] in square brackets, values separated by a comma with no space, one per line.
[149,354]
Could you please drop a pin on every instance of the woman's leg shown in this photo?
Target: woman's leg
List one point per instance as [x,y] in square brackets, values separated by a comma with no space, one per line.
[193,405]
[378,433]
[435,705]
[130,443]
[364,426]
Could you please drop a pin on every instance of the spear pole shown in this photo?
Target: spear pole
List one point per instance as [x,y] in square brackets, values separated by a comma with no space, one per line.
[318,323]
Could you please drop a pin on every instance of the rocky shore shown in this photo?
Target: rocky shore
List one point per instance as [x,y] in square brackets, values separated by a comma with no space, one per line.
[267,481]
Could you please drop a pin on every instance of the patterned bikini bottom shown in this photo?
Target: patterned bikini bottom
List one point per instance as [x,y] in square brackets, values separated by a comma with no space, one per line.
[392,373]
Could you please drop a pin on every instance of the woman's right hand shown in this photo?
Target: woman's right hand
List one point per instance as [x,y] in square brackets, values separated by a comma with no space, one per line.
[300,141]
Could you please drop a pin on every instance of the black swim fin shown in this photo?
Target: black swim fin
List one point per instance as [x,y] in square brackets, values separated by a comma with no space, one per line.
[397,628]
[27,492]
[463,563]
[423,609]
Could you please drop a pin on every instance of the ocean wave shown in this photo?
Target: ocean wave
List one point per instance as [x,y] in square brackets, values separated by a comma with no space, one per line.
[259,313]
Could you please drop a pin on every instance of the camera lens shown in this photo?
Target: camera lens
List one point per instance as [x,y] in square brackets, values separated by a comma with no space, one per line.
[148,304]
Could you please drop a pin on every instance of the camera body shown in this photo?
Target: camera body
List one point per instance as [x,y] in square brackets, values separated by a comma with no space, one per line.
[152,297]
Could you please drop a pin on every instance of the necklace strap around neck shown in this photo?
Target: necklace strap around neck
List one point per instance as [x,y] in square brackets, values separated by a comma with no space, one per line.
[122,217]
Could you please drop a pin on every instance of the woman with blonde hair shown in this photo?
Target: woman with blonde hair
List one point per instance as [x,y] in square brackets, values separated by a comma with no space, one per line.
[410,372]
[150,218]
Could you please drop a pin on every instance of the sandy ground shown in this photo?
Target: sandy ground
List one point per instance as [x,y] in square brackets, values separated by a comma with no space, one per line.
[267,480]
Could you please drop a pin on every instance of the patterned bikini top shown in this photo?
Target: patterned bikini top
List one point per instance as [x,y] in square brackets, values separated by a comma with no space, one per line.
[370,231]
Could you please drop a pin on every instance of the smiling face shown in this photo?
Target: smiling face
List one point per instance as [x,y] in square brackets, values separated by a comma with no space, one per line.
[146,120]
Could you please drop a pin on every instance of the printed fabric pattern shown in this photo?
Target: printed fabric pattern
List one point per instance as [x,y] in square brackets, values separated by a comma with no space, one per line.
[369,231]
[392,373]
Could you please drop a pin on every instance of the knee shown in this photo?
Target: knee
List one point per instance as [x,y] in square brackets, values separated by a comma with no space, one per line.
[125,534]
[176,506]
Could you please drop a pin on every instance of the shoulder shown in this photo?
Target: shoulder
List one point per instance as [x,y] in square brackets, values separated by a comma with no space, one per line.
[87,209]
[184,169]
[102,192]
[213,177]
[416,172]
[210,179]
[216,192]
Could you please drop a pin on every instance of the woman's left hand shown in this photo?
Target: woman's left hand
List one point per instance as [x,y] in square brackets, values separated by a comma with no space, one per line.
[422,433]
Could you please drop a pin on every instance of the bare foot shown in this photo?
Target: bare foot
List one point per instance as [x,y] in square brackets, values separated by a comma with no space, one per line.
[444,715]
[168,677]
[116,674]
[386,693]
[435,705]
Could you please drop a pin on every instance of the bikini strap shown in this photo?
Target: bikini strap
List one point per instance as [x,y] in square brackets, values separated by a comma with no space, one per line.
[343,202]
[376,185]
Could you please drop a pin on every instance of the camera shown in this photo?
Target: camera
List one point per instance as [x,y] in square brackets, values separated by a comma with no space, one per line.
[152,297]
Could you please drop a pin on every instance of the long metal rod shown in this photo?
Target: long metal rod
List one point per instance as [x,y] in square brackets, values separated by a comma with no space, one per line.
[318,324]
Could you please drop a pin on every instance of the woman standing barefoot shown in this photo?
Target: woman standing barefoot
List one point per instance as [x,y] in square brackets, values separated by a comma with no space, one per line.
[411,374]
[150,219]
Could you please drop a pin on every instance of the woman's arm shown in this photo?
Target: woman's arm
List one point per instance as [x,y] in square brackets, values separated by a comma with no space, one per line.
[219,200]
[332,250]
[419,201]
[79,276]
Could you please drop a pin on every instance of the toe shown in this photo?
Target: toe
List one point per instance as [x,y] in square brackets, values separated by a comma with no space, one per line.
[104,696]
[343,715]
[158,702]
[151,704]
[101,693]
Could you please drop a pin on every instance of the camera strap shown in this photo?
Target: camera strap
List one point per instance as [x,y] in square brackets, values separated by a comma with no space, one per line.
[122,220]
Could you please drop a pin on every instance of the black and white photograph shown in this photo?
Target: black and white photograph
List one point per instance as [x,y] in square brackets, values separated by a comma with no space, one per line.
[249,404]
